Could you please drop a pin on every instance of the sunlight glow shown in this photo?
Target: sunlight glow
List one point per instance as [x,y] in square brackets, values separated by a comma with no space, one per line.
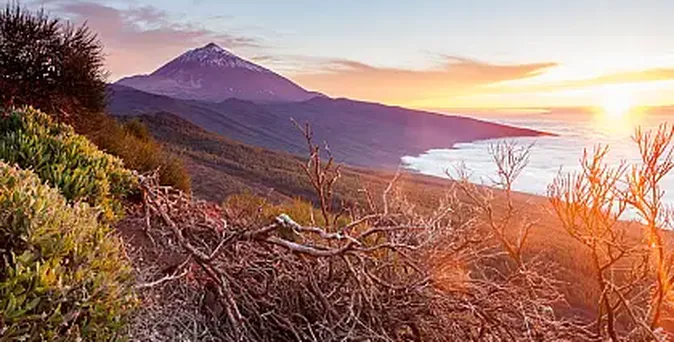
[616,103]
[618,109]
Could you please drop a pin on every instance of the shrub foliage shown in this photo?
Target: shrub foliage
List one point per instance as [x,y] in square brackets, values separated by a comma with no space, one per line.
[64,159]
[49,64]
[60,267]
[58,68]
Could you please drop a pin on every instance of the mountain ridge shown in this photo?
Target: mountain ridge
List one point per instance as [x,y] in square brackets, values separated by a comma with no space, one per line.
[359,133]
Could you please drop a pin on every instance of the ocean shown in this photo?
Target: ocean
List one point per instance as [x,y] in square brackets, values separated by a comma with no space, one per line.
[549,155]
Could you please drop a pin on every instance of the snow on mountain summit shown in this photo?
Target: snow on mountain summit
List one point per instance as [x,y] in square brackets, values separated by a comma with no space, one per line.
[212,55]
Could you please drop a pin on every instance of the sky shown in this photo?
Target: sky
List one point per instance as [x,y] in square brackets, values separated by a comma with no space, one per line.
[424,54]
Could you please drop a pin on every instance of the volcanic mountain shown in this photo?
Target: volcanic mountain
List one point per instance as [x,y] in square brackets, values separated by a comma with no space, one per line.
[211,73]
[224,94]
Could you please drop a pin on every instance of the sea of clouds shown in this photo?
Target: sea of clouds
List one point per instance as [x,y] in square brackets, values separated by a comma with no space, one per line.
[549,155]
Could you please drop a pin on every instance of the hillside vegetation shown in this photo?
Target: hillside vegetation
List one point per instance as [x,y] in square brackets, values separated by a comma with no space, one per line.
[132,143]
[64,159]
[54,66]
[64,274]
[221,167]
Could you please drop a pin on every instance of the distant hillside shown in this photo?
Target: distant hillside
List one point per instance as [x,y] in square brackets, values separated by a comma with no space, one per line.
[221,167]
[212,73]
[359,133]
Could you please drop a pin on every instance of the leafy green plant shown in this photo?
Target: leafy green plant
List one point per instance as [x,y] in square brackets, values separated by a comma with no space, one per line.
[64,159]
[63,275]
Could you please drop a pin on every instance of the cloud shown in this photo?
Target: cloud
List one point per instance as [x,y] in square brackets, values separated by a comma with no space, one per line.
[463,82]
[616,78]
[455,76]
[138,39]
[268,59]
[658,74]
[292,64]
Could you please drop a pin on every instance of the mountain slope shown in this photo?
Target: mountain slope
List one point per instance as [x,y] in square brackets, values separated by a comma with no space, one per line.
[359,133]
[211,73]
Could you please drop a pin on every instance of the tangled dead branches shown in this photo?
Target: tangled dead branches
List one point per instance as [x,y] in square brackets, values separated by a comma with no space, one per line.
[385,273]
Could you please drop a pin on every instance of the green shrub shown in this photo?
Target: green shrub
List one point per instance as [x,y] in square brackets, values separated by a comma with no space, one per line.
[64,159]
[134,144]
[63,276]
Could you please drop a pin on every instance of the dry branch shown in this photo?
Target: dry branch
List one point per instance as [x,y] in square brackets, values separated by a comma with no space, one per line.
[387,274]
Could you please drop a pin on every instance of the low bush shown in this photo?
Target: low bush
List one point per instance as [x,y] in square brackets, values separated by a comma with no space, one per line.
[64,159]
[134,144]
[63,275]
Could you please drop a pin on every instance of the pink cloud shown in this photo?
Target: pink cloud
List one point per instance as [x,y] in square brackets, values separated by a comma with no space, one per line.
[140,39]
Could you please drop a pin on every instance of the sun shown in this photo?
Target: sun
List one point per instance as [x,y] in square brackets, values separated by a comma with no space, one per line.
[618,109]
[616,103]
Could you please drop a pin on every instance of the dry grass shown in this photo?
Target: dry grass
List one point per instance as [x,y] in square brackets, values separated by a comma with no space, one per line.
[132,142]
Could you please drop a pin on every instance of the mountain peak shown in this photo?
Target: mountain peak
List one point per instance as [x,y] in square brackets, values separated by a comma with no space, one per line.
[214,74]
[212,49]
[212,45]
[213,55]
